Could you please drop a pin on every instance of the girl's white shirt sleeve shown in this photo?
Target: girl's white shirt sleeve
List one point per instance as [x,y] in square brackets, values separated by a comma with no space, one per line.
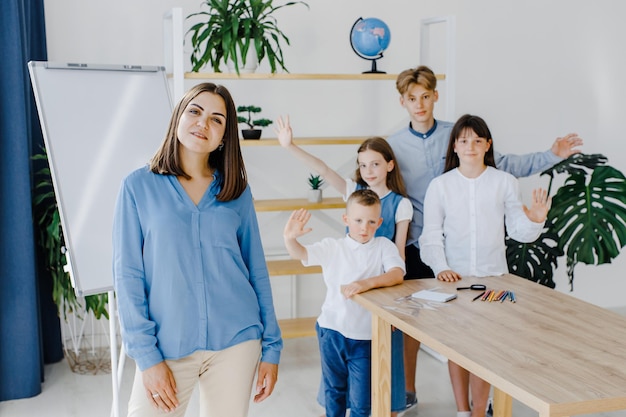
[350,188]
[404,211]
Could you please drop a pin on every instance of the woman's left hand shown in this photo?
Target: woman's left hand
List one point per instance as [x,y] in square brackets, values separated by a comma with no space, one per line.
[160,386]
[266,380]
[538,210]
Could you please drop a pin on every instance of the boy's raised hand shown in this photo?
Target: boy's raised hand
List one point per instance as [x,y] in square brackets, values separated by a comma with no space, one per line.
[295,225]
[539,207]
[567,145]
[283,131]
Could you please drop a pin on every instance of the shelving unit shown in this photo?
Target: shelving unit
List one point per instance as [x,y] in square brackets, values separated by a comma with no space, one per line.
[287,204]
[347,140]
[285,76]
[179,89]
[300,326]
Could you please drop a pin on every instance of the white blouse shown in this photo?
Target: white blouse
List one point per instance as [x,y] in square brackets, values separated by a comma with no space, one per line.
[464,222]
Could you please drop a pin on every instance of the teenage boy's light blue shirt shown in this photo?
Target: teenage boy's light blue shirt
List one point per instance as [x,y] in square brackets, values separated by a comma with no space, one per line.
[189,277]
[422,157]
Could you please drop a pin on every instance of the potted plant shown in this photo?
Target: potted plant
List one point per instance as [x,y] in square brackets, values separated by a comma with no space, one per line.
[231,28]
[315,193]
[586,222]
[251,133]
[70,308]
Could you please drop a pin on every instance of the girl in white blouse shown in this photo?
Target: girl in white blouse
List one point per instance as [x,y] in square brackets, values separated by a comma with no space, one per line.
[465,213]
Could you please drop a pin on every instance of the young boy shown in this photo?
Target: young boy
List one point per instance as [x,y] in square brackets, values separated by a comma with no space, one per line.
[420,149]
[350,265]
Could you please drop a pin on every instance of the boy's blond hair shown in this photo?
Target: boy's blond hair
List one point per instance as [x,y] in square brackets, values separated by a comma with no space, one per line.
[364,197]
[421,75]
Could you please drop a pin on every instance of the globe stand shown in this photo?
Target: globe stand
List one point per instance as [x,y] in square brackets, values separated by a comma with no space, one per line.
[374,69]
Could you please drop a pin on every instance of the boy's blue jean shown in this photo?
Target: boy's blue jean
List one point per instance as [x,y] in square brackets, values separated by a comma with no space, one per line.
[398,392]
[346,372]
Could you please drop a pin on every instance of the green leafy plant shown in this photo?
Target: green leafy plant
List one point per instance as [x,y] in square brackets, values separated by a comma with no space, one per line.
[315,181]
[248,118]
[50,239]
[586,222]
[230,26]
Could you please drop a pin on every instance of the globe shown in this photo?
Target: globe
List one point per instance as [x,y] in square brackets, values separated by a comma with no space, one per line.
[369,37]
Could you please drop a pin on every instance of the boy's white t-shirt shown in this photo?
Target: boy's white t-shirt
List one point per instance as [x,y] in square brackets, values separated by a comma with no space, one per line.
[344,261]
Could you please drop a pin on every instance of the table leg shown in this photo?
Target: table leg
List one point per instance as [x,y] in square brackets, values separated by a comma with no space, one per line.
[502,403]
[381,367]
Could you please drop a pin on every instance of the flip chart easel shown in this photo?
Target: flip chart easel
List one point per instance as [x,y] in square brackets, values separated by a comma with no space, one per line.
[99,123]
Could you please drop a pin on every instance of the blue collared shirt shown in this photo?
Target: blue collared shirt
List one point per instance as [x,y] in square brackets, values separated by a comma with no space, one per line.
[422,157]
[189,277]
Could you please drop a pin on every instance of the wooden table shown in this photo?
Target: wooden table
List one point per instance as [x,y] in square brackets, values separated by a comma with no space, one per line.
[554,353]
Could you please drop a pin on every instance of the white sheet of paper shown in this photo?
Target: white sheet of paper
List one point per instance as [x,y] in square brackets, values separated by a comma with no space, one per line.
[429,295]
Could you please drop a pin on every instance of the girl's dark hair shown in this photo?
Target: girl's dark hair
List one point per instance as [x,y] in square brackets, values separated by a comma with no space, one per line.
[227,161]
[476,124]
[394,179]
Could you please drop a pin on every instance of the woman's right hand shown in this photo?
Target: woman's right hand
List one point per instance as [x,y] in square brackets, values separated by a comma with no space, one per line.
[284,132]
[160,386]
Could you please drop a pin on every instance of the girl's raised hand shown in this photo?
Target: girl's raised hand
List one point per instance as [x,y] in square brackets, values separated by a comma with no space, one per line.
[283,131]
[539,207]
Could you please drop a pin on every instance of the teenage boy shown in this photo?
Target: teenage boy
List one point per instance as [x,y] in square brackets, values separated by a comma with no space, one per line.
[420,149]
[350,265]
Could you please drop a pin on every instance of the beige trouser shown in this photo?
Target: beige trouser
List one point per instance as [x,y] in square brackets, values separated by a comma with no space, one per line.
[224,381]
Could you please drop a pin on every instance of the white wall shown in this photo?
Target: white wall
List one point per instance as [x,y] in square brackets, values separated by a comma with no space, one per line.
[533,69]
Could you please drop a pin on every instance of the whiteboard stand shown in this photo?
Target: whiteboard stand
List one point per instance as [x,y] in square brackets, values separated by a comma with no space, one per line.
[116,374]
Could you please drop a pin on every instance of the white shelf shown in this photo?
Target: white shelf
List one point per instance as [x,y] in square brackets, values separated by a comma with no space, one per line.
[290,76]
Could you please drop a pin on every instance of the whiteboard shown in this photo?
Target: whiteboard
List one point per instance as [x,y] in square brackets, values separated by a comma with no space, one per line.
[99,123]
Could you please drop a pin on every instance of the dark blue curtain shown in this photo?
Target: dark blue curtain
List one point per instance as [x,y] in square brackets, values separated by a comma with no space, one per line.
[29,326]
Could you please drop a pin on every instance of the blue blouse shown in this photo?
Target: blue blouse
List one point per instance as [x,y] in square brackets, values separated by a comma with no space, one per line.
[189,277]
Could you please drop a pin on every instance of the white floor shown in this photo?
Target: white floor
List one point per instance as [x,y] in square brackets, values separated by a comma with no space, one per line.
[66,394]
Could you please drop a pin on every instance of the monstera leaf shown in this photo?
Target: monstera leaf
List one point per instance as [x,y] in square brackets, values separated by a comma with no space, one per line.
[590,218]
[587,221]
[534,261]
[579,163]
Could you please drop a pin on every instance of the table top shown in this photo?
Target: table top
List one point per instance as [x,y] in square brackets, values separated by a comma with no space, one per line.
[555,353]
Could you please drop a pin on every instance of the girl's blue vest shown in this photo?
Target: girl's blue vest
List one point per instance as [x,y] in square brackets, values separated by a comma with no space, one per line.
[389,207]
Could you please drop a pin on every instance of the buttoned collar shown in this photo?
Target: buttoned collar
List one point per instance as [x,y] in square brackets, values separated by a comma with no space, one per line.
[423,135]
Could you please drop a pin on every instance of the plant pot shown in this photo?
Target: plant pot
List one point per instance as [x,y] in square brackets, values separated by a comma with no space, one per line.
[315,196]
[252,62]
[251,133]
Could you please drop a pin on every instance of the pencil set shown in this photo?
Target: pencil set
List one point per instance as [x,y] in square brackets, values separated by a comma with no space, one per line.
[496,295]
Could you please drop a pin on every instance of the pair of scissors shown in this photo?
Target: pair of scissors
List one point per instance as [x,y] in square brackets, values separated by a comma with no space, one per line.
[478,287]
